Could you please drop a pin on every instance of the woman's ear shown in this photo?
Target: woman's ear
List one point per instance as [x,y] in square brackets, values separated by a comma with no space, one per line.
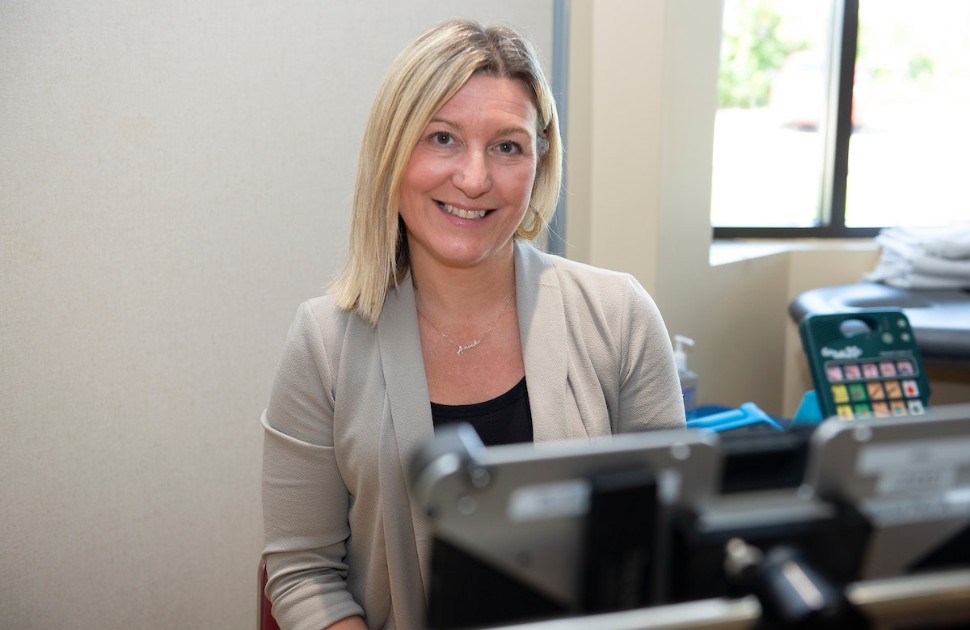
[542,142]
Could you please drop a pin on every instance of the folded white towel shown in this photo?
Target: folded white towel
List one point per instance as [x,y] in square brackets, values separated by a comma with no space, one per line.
[924,258]
[946,241]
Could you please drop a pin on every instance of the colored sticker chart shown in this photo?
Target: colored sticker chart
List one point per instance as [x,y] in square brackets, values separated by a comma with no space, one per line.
[875,388]
[865,363]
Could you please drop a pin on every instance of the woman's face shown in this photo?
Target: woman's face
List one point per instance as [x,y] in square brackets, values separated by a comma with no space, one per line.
[469,179]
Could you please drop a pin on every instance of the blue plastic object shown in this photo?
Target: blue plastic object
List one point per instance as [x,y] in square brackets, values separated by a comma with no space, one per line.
[746,415]
[809,411]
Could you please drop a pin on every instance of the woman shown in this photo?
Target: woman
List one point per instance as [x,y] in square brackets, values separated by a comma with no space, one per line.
[443,311]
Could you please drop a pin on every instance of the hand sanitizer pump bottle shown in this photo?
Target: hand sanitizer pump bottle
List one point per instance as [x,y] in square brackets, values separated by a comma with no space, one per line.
[688,378]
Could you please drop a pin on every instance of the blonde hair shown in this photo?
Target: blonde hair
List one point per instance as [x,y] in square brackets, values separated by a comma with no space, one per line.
[423,77]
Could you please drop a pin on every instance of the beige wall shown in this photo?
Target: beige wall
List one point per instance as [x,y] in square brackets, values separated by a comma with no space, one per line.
[642,99]
[639,184]
[174,178]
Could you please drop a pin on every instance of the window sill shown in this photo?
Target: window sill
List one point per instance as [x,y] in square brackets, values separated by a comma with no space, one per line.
[725,252]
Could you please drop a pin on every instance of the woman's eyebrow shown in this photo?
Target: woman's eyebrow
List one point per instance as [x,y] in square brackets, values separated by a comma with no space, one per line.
[510,131]
[444,121]
[504,131]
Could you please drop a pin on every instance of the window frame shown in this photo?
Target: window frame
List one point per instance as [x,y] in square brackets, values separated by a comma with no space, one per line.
[836,167]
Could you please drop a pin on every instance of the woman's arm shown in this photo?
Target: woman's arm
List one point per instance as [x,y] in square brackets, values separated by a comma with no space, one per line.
[305,501]
[650,395]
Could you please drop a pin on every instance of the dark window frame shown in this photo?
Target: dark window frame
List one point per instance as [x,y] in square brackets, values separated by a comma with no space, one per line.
[837,155]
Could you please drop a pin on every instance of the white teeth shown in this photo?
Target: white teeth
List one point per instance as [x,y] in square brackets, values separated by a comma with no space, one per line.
[464,214]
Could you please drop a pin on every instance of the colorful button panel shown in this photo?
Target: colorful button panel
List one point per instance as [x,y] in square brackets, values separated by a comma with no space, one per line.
[875,389]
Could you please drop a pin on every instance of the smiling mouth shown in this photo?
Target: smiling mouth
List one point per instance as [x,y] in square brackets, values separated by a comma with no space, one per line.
[461,213]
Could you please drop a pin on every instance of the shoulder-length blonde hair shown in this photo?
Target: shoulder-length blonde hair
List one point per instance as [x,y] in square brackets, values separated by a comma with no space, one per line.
[423,77]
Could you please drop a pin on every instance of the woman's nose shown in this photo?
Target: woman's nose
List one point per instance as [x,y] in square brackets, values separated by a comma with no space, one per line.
[472,176]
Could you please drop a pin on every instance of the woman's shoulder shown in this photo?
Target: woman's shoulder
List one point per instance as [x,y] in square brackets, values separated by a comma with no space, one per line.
[323,318]
[320,311]
[606,295]
[583,272]
[574,276]
[324,307]
[541,263]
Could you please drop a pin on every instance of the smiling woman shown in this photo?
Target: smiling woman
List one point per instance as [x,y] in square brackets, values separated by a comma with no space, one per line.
[444,312]
[469,180]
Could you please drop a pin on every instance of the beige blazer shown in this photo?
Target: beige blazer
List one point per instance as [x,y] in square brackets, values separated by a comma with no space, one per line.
[350,404]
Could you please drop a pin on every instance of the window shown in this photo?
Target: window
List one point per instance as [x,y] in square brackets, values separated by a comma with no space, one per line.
[837,118]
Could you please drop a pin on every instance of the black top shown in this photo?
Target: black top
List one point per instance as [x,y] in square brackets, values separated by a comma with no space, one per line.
[502,420]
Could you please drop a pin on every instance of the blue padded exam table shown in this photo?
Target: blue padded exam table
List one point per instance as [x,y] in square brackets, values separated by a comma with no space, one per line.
[940,317]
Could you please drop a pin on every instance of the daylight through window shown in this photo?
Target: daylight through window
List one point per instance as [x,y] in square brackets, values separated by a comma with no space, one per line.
[838,118]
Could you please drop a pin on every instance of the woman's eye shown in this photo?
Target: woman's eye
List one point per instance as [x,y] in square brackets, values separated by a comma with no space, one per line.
[509,147]
[441,137]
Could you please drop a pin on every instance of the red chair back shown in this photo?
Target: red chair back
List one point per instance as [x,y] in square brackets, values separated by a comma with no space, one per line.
[264,609]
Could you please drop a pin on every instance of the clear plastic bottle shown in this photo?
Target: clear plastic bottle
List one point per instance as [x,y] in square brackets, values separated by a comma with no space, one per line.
[688,377]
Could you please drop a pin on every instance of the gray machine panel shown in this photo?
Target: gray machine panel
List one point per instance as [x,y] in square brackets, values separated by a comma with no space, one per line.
[522,507]
[910,476]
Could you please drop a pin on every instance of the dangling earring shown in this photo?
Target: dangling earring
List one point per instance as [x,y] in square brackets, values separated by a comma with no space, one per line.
[534,226]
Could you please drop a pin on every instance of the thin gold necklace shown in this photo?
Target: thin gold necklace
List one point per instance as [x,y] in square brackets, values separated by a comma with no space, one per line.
[475,342]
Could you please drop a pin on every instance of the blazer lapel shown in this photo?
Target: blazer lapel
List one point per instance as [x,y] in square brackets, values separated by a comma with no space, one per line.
[410,423]
[403,365]
[542,327]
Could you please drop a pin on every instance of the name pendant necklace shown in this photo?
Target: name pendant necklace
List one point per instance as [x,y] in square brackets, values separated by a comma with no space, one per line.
[474,342]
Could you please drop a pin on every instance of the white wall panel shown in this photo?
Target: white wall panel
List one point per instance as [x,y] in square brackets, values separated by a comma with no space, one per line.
[174,178]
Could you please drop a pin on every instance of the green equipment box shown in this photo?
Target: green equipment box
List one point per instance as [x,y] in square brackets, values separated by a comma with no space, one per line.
[865,364]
